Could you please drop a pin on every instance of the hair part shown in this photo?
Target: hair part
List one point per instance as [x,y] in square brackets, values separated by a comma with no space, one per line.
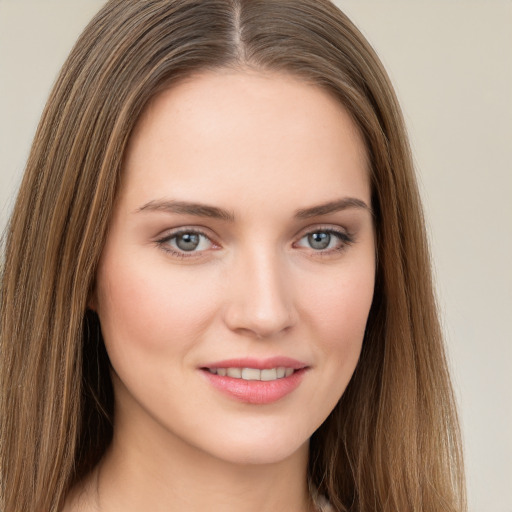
[392,442]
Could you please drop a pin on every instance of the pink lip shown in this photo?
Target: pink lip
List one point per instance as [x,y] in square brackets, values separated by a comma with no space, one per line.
[255,391]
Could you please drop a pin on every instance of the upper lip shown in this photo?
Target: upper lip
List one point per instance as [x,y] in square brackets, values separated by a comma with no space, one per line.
[260,364]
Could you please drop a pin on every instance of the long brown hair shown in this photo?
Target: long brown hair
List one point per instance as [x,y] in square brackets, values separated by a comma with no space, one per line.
[392,442]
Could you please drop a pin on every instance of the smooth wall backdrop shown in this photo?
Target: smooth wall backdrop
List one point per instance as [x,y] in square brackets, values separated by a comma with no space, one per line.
[451,63]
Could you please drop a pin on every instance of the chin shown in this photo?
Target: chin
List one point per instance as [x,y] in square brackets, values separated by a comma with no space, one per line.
[246,456]
[259,448]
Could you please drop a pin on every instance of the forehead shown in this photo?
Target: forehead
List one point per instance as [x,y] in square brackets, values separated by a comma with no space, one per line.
[245,130]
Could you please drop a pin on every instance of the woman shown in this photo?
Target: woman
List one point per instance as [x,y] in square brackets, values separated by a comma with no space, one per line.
[216,290]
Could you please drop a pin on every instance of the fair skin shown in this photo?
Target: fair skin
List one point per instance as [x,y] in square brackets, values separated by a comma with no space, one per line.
[242,229]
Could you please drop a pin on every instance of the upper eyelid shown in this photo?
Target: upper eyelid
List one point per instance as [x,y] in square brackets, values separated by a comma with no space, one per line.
[322,227]
[172,232]
[344,236]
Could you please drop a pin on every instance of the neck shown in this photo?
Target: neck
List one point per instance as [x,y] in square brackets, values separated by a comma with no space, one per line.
[154,470]
[187,479]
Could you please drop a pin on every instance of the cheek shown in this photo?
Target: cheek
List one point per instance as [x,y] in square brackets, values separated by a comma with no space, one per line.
[341,303]
[147,306]
[347,307]
[338,315]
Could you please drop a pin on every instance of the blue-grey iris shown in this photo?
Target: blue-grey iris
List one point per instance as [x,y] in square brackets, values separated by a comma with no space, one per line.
[187,241]
[319,240]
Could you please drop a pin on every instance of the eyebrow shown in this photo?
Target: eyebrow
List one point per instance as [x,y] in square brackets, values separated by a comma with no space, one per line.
[187,208]
[332,207]
[204,210]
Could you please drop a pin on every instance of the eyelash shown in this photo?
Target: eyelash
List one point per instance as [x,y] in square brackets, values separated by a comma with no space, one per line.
[345,240]
[163,243]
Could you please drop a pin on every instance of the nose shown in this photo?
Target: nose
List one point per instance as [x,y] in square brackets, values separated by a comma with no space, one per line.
[260,298]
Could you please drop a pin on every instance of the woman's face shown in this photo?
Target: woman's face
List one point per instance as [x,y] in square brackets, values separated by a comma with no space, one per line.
[238,273]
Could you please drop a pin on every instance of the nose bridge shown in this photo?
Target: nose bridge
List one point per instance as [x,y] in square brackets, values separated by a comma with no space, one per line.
[260,301]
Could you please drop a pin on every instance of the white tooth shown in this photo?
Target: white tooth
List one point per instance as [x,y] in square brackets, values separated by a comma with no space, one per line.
[251,374]
[234,372]
[280,372]
[212,370]
[288,372]
[221,372]
[270,374]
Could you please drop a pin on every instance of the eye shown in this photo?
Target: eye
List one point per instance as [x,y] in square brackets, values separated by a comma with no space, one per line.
[325,240]
[183,242]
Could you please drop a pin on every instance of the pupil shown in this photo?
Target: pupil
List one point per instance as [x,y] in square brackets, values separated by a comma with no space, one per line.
[319,240]
[187,241]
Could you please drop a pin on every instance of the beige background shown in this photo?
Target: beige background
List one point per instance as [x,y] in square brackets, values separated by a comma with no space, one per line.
[451,64]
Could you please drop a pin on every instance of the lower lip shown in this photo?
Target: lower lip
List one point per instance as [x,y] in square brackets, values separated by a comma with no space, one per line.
[256,391]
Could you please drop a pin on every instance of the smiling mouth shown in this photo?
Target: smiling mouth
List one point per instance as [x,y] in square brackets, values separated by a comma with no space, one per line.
[256,382]
[268,374]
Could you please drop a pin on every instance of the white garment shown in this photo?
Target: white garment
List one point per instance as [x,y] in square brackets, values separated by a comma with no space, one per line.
[321,504]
